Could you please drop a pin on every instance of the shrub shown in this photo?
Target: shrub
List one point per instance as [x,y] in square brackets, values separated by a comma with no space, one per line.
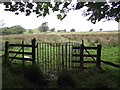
[11,80]
[65,79]
[30,31]
[35,75]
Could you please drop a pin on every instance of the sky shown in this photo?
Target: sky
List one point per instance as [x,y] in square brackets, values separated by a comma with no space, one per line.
[74,20]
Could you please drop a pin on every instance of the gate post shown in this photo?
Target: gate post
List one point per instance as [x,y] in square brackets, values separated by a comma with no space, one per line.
[33,51]
[23,53]
[98,63]
[81,56]
[6,52]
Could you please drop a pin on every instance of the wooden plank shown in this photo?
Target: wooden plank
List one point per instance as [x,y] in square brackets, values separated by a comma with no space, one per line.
[23,53]
[90,47]
[78,61]
[19,58]
[89,61]
[78,55]
[33,50]
[82,57]
[85,47]
[98,64]
[6,50]
[20,45]
[29,53]
[89,55]
[76,47]
[75,61]
[110,63]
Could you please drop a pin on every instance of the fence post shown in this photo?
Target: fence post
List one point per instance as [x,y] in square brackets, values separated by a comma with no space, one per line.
[23,52]
[98,63]
[81,56]
[33,50]
[6,51]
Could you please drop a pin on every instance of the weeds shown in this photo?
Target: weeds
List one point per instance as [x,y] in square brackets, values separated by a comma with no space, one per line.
[35,75]
[65,79]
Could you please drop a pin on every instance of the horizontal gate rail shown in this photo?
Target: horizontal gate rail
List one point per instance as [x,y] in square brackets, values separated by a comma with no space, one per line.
[29,53]
[27,59]
[20,45]
[78,55]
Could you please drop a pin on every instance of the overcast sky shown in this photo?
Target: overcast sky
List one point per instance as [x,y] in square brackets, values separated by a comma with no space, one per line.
[74,20]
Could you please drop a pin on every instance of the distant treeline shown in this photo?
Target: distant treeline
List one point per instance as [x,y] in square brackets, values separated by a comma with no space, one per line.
[12,30]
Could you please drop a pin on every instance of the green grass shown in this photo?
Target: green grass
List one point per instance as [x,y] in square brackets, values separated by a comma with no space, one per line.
[111,54]
[34,31]
[91,78]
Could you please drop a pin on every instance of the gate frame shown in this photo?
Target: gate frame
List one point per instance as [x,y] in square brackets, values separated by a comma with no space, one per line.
[33,53]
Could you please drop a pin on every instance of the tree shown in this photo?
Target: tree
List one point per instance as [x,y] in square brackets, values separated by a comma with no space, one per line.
[44,27]
[95,10]
[30,31]
[17,29]
[2,23]
[72,30]
[13,30]
[101,29]
[5,31]
[90,30]
[52,30]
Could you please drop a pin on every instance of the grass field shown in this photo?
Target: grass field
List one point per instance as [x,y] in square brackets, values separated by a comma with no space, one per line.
[110,78]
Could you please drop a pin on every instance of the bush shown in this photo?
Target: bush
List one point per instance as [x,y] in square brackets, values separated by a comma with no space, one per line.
[35,75]
[65,79]
[30,31]
[11,80]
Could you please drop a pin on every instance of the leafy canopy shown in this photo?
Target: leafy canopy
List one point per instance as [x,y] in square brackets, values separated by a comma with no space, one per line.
[12,30]
[95,10]
[44,27]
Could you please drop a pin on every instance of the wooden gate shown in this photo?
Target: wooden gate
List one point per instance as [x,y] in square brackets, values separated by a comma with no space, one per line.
[21,51]
[81,56]
[54,57]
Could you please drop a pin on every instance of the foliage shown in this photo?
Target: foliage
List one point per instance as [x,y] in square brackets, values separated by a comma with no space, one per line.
[95,10]
[101,29]
[13,80]
[13,30]
[44,27]
[90,30]
[30,31]
[5,31]
[52,30]
[72,30]
[35,75]
[17,29]
[65,79]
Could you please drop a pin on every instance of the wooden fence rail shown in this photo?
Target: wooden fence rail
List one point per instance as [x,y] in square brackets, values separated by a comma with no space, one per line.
[110,63]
